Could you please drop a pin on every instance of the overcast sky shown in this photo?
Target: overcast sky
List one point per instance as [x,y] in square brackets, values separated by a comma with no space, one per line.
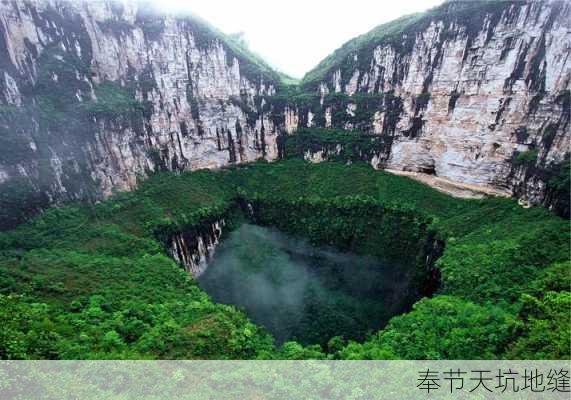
[294,35]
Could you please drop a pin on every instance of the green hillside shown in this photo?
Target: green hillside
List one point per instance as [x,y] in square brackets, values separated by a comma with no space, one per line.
[401,34]
[95,282]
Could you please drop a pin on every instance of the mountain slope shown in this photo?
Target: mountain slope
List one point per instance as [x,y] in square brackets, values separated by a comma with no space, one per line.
[94,95]
[475,92]
[401,33]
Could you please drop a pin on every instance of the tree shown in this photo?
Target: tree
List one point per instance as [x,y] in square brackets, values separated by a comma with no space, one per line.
[444,327]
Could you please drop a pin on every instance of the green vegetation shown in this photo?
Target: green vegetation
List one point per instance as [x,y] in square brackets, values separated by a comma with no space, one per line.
[95,282]
[546,331]
[355,112]
[56,102]
[69,107]
[422,100]
[15,128]
[18,201]
[558,186]
[400,34]
[528,157]
[339,56]
[337,145]
[444,327]
[251,64]
[306,293]
[113,101]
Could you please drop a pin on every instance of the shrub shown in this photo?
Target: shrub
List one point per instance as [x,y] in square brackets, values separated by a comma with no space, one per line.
[528,157]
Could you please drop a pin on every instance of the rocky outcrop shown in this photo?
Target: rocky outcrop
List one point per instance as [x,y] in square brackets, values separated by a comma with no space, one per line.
[194,248]
[94,95]
[475,92]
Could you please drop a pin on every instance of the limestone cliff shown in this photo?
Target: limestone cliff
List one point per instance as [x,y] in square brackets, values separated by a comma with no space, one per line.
[476,92]
[94,95]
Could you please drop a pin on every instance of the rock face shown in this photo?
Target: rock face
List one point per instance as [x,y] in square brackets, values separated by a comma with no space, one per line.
[94,95]
[194,249]
[476,92]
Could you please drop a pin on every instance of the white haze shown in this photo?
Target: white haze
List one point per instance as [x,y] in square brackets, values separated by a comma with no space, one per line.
[294,35]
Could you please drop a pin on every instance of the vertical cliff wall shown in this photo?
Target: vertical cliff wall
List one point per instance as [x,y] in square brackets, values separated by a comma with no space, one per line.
[94,95]
[194,248]
[476,92]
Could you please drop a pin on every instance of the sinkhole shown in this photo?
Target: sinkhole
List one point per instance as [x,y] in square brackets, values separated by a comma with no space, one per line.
[307,293]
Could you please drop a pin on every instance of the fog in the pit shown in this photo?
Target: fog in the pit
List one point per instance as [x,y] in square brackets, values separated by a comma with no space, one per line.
[300,292]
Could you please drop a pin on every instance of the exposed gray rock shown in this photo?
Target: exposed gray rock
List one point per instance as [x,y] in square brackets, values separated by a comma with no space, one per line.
[198,96]
[476,91]
[95,95]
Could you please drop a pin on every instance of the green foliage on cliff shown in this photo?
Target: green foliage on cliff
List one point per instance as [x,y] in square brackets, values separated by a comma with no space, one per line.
[113,101]
[152,21]
[95,282]
[15,127]
[358,224]
[57,103]
[336,144]
[559,187]
[528,157]
[340,55]
[401,33]
[64,102]
[18,201]
[251,64]
[338,110]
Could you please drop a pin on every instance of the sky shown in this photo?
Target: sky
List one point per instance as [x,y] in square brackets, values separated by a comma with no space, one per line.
[293,36]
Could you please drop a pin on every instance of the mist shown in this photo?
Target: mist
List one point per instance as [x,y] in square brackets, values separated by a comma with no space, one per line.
[304,293]
[295,36]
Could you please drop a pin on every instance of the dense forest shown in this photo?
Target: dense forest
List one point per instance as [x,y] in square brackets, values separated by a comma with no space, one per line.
[133,144]
[96,281]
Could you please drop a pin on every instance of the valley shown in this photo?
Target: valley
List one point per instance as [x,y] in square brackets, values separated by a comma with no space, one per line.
[166,194]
